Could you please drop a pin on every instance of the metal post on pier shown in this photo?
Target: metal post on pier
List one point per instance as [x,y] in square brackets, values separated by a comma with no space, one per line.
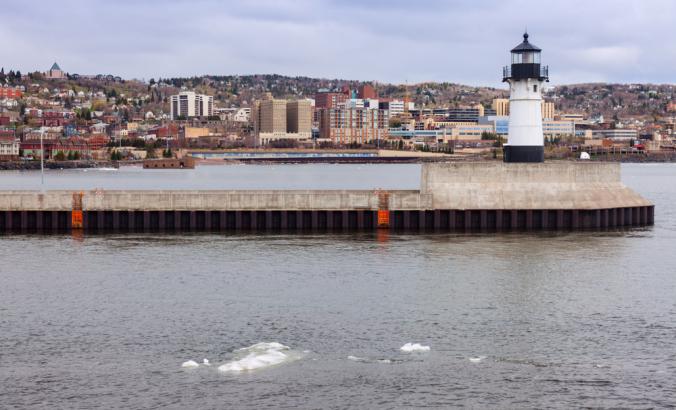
[383,209]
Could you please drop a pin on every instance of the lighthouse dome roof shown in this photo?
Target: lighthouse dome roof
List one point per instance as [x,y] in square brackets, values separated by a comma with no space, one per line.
[525,46]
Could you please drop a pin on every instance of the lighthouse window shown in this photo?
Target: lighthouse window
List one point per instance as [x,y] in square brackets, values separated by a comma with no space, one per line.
[535,88]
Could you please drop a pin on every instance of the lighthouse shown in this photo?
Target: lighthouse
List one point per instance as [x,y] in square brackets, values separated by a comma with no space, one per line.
[525,142]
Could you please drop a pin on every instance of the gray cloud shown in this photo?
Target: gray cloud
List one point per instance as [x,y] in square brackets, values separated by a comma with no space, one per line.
[393,41]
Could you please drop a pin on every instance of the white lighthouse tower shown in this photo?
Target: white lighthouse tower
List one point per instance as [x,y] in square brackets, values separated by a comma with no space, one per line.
[525,142]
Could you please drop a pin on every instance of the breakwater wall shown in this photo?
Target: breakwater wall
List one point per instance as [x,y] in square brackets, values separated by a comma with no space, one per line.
[452,197]
[35,165]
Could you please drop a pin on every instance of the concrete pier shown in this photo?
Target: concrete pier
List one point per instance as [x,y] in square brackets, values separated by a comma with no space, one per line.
[485,196]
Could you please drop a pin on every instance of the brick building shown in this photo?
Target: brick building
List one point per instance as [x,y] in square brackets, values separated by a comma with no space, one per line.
[353,125]
[329,99]
[365,92]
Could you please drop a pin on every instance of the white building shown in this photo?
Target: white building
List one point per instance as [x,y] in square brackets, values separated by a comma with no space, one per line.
[354,103]
[558,128]
[188,104]
[242,115]
[9,148]
[619,134]
[395,107]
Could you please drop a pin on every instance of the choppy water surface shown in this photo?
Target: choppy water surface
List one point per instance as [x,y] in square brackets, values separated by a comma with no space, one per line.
[561,320]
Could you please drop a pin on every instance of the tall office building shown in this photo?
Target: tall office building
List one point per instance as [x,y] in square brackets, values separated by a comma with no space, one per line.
[547,110]
[273,116]
[188,104]
[501,106]
[299,116]
[280,119]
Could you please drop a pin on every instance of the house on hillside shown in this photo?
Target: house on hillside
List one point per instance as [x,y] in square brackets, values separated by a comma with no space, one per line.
[55,73]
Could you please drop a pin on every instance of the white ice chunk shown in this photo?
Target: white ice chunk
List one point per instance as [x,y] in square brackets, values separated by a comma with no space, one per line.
[414,347]
[258,356]
[190,364]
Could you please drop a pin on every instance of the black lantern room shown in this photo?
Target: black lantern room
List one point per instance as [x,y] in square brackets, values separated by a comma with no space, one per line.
[525,63]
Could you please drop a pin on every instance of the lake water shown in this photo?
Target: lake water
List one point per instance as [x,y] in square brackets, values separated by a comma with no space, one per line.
[240,176]
[549,320]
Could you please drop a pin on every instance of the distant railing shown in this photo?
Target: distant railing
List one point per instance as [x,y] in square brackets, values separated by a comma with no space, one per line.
[526,71]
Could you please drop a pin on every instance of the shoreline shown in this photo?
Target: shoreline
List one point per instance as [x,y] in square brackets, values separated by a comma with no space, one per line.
[35,165]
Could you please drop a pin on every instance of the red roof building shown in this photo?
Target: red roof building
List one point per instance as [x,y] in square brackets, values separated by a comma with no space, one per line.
[97,142]
[6,92]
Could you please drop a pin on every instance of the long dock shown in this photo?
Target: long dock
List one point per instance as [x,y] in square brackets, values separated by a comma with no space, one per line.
[481,196]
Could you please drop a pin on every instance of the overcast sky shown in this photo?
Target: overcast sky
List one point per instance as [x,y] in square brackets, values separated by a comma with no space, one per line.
[395,41]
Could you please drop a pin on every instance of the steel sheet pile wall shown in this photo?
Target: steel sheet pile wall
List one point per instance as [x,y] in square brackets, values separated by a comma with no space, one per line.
[489,196]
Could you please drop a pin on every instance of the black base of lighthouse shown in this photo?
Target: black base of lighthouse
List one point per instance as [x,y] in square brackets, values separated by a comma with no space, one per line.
[524,153]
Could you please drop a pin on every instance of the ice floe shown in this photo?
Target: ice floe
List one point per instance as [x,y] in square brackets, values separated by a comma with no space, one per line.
[190,364]
[259,356]
[367,360]
[414,347]
[477,359]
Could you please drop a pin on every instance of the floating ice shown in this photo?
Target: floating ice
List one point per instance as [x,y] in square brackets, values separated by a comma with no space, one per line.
[477,359]
[190,364]
[367,360]
[206,362]
[258,356]
[414,347]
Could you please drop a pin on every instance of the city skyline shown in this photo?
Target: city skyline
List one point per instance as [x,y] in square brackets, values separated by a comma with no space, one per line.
[391,42]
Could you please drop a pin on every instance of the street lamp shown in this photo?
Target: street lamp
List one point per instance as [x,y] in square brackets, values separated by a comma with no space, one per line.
[42,162]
